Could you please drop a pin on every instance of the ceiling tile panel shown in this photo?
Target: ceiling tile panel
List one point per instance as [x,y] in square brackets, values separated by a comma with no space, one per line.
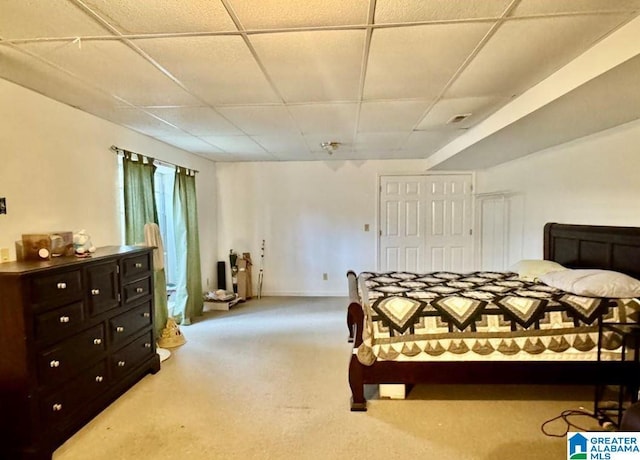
[282,144]
[418,61]
[531,7]
[261,119]
[372,141]
[196,120]
[50,18]
[425,142]
[292,156]
[335,119]
[166,16]
[219,69]
[116,68]
[533,49]
[39,76]
[313,66]
[276,14]
[445,109]
[190,143]
[389,116]
[398,11]
[139,121]
[235,144]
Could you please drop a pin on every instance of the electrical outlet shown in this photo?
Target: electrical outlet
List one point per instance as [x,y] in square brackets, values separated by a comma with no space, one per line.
[3,205]
[4,254]
[325,276]
[366,227]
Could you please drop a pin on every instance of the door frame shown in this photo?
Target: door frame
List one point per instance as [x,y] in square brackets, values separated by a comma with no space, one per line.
[378,227]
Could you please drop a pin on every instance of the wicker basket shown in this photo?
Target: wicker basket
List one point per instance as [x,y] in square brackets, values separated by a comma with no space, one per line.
[171,336]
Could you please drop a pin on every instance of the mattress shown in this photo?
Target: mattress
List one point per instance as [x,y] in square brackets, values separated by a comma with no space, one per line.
[443,316]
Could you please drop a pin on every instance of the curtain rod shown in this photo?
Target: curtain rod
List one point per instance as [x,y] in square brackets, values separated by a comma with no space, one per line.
[162,162]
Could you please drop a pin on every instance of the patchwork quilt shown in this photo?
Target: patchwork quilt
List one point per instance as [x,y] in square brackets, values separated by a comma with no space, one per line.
[481,315]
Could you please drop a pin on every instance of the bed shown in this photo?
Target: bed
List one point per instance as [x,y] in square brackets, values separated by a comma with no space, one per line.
[402,355]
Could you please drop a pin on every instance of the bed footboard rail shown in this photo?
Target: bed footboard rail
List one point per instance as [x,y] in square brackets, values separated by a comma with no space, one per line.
[355,323]
[355,316]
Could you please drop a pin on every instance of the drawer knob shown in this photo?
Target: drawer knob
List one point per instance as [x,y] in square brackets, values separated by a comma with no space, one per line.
[54,363]
[119,329]
[97,341]
[99,378]
[139,290]
[138,265]
[147,345]
[56,407]
[64,319]
[61,285]
[121,363]
[95,291]
[146,314]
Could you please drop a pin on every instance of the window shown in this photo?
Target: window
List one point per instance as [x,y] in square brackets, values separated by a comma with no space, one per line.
[164,178]
[163,183]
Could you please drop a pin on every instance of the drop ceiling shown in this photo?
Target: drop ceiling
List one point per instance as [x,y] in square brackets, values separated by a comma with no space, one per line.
[270,80]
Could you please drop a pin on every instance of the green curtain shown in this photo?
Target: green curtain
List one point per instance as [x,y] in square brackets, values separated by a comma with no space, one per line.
[188,297]
[139,197]
[139,210]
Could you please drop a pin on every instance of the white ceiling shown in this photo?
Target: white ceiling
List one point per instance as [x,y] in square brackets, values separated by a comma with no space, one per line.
[269,80]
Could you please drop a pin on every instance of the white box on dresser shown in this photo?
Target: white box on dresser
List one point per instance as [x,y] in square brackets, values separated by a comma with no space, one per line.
[75,335]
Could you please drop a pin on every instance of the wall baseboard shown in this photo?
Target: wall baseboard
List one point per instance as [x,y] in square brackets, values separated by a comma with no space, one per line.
[304,294]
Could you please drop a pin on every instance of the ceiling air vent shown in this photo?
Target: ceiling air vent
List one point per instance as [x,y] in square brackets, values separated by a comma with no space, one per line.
[458,118]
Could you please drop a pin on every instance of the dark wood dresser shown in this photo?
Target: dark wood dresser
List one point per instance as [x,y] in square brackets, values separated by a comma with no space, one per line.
[74,335]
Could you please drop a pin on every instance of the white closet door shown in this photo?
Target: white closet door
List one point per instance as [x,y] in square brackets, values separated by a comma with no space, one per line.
[449,242]
[402,221]
[425,223]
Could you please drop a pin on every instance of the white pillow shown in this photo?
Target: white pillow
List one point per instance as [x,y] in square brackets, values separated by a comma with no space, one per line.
[594,283]
[532,269]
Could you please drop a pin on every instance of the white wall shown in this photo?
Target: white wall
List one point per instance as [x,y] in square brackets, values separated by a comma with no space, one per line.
[592,180]
[312,216]
[58,173]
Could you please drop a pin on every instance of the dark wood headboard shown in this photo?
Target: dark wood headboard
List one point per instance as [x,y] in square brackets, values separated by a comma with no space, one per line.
[594,246]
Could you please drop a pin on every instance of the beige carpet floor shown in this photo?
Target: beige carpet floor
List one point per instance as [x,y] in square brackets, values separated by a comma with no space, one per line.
[268,380]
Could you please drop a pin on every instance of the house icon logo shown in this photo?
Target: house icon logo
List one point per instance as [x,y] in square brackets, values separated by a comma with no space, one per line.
[577,447]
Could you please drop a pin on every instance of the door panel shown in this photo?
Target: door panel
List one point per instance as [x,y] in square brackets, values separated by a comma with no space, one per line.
[393,218]
[391,257]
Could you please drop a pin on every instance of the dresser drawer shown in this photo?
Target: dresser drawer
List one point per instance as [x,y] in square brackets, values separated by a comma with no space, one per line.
[56,289]
[137,290]
[59,406]
[102,287]
[129,357]
[125,325]
[59,322]
[134,267]
[67,359]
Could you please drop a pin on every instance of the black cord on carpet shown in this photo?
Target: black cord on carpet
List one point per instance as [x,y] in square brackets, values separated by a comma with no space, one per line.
[565,416]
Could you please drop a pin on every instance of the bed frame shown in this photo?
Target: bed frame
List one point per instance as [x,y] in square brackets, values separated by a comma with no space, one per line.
[574,246]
